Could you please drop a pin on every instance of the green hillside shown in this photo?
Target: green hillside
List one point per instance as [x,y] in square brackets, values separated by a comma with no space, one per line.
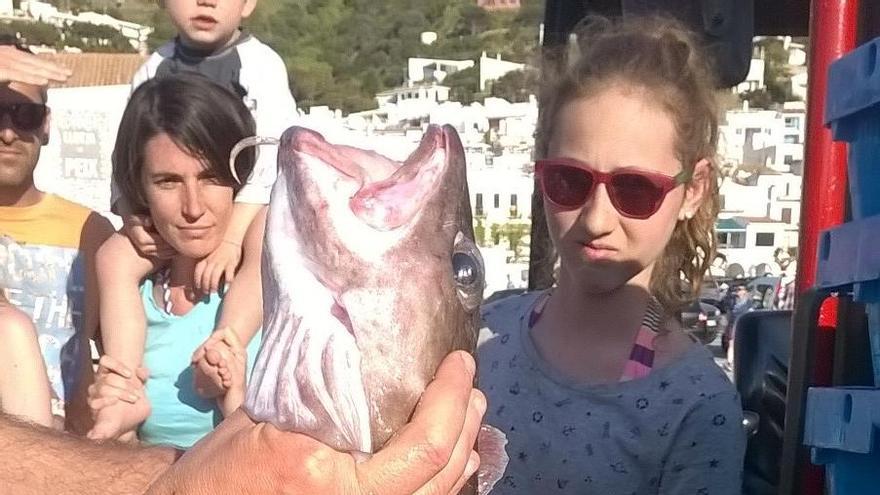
[341,52]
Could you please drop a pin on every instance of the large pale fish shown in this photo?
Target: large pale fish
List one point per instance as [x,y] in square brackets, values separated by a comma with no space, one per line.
[370,277]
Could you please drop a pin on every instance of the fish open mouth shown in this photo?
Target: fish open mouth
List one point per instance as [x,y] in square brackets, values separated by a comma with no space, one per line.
[389,193]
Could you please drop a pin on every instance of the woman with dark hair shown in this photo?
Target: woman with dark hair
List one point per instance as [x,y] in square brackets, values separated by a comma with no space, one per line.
[171,161]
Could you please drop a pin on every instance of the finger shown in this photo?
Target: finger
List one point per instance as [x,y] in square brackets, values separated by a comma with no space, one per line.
[142,374]
[473,464]
[229,274]
[201,267]
[30,69]
[211,278]
[147,251]
[216,275]
[42,66]
[22,76]
[119,387]
[110,364]
[423,448]
[99,403]
[455,472]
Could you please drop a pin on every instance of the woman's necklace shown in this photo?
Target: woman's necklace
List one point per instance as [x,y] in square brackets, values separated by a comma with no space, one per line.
[164,279]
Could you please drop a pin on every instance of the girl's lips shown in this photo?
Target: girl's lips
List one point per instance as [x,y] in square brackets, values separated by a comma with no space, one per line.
[598,252]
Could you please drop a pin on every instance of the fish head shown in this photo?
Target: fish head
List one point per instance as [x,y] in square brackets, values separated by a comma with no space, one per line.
[376,261]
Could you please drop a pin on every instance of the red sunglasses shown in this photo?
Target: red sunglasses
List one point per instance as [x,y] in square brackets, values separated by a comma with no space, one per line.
[569,183]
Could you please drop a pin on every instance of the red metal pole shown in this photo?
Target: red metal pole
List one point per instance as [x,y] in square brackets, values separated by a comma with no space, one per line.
[833,32]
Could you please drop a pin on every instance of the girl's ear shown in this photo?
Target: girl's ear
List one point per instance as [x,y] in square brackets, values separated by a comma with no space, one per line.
[696,190]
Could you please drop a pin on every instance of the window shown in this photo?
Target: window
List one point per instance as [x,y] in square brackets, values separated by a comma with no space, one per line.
[497,201]
[792,139]
[788,160]
[732,240]
[792,122]
[513,200]
[478,209]
[786,215]
[739,132]
[721,202]
[764,239]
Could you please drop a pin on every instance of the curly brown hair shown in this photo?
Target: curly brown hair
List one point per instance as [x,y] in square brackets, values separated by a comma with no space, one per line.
[659,56]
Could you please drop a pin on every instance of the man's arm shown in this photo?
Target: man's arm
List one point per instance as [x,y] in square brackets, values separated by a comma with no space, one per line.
[34,459]
[433,454]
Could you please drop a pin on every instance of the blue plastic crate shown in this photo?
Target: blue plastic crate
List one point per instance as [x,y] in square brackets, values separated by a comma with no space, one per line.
[853,111]
[850,254]
[841,428]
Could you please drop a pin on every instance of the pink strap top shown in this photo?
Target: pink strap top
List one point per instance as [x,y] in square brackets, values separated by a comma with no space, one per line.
[641,357]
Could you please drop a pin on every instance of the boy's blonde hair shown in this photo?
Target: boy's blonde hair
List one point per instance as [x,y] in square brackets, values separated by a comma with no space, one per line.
[660,57]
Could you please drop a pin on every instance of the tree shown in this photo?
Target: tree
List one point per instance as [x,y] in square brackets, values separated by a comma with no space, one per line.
[516,86]
[464,85]
[777,76]
[758,98]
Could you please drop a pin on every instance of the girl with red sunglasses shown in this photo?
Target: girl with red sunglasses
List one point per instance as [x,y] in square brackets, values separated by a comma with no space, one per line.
[594,381]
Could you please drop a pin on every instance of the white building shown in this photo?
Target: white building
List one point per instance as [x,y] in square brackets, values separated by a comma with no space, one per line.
[413,101]
[755,77]
[433,69]
[492,69]
[748,243]
[45,12]
[799,80]
[757,217]
[6,7]
[764,138]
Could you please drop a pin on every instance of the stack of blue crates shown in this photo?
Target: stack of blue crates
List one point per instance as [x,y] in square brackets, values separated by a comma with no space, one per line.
[842,423]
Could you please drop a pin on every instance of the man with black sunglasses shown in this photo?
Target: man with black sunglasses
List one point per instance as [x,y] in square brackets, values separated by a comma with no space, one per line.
[47,243]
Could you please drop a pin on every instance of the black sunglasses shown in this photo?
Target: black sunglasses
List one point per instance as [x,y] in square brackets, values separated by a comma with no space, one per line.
[25,116]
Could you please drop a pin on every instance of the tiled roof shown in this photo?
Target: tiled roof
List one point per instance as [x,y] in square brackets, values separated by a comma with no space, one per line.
[97,69]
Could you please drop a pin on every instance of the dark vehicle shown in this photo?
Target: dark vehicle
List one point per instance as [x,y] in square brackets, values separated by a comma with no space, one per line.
[763,293]
[703,320]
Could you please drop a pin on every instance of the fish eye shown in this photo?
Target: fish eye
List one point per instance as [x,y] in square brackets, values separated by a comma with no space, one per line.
[468,271]
[464,269]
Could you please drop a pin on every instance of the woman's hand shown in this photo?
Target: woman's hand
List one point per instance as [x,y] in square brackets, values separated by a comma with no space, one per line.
[220,366]
[222,263]
[117,400]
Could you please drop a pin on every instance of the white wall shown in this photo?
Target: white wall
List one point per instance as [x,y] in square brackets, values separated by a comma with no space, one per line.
[753,255]
[493,68]
[76,161]
[5,7]
[755,77]
[416,67]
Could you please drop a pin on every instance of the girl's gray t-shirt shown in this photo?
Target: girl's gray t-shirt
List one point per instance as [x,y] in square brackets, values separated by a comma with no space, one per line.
[677,431]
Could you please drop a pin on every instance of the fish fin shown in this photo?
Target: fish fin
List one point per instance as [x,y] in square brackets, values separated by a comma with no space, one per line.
[493,457]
